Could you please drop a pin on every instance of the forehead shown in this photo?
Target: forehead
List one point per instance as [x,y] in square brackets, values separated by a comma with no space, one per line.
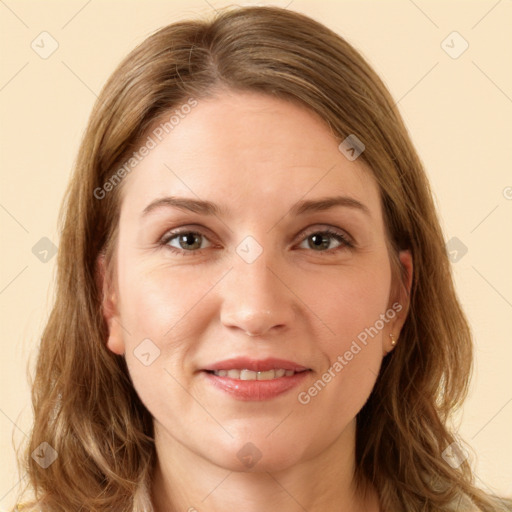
[245,150]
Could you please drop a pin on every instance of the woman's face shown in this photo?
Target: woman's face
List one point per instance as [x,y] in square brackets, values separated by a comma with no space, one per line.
[259,181]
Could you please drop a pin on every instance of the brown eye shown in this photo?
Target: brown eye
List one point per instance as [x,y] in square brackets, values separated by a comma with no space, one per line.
[185,241]
[320,241]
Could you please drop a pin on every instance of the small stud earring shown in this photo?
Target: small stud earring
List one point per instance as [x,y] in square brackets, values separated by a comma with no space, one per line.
[393,341]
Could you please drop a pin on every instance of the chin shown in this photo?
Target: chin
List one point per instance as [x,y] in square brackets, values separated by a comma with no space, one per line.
[257,454]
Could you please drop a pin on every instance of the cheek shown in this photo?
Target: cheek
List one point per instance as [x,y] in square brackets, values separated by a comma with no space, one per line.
[157,298]
[165,313]
[355,307]
[352,300]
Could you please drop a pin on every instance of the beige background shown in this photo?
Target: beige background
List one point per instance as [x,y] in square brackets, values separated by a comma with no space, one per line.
[459,113]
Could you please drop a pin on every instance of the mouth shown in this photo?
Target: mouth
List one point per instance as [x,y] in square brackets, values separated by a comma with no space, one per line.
[245,374]
[248,379]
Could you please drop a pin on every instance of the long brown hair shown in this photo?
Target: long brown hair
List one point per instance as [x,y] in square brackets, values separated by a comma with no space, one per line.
[85,406]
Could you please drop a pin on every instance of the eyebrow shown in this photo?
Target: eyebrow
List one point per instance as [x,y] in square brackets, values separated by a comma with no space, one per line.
[300,208]
[326,203]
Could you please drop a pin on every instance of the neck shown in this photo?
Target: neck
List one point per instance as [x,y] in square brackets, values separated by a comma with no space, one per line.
[183,480]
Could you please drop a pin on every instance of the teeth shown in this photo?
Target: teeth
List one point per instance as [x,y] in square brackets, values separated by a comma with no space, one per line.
[248,375]
[251,375]
[270,374]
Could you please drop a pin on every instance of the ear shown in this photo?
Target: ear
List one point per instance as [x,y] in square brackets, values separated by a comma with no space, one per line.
[400,301]
[109,307]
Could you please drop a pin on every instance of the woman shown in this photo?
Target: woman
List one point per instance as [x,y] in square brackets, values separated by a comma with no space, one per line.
[254,306]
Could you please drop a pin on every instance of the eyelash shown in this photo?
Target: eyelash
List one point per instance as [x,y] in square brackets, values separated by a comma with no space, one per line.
[345,243]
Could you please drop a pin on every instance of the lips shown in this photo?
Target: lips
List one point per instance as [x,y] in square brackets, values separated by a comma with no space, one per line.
[250,379]
[244,374]
[255,365]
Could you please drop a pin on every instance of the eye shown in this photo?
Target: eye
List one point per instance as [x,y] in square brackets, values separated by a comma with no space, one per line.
[320,240]
[184,242]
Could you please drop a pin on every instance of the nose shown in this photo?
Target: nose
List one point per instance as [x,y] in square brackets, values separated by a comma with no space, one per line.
[257,300]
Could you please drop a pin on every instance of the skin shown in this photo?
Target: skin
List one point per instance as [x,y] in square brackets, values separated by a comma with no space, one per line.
[255,156]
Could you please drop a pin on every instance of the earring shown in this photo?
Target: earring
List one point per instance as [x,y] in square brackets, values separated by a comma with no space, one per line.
[393,341]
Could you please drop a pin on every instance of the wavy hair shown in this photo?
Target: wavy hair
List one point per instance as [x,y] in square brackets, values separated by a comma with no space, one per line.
[83,400]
